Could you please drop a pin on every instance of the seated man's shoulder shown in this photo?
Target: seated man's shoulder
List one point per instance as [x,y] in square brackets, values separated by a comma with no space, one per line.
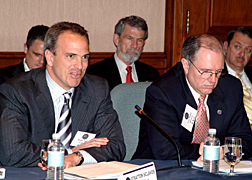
[145,66]
[229,80]
[25,78]
[94,81]
[98,66]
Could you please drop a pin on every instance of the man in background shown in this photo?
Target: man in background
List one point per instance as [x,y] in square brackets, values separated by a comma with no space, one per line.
[238,54]
[62,99]
[129,37]
[191,98]
[33,49]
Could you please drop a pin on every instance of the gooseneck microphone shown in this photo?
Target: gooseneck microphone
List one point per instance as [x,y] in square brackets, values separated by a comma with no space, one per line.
[165,134]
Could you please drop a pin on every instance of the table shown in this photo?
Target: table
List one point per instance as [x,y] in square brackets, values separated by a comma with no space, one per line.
[181,173]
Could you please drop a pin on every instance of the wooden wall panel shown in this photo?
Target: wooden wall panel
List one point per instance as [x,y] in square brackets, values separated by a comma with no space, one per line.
[157,59]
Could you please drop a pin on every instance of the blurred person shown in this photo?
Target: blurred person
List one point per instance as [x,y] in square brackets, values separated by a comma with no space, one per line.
[239,49]
[33,49]
[123,66]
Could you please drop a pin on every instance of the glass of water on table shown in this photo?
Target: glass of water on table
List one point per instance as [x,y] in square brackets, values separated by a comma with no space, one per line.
[43,152]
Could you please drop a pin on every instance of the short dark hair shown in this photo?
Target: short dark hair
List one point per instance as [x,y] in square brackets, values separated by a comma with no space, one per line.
[36,33]
[242,29]
[193,43]
[59,28]
[133,21]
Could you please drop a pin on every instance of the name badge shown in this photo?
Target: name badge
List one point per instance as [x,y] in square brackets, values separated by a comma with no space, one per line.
[81,137]
[188,117]
[144,172]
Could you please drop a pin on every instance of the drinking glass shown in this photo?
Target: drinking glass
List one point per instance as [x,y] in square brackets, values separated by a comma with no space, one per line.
[232,152]
[43,152]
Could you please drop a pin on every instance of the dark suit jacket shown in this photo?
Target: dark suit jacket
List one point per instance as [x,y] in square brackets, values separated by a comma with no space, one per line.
[10,71]
[165,103]
[27,117]
[248,71]
[107,69]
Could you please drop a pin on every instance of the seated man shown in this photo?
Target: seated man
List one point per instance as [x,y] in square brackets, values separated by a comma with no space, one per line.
[34,54]
[129,37]
[239,50]
[31,105]
[172,100]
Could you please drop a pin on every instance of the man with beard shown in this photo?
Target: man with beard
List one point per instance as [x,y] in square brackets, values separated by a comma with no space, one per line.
[239,49]
[129,37]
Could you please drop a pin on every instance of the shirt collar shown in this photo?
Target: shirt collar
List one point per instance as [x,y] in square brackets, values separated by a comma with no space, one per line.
[195,94]
[55,90]
[232,72]
[121,65]
[26,68]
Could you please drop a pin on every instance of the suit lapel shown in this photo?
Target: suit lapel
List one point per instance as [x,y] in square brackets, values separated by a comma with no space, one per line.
[44,101]
[216,108]
[189,99]
[116,78]
[80,106]
[19,69]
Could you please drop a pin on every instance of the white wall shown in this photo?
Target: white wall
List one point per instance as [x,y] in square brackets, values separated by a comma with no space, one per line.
[97,16]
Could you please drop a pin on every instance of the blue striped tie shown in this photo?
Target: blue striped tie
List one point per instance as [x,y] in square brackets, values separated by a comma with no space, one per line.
[65,122]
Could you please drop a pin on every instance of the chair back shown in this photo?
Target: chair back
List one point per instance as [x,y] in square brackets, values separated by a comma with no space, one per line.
[124,97]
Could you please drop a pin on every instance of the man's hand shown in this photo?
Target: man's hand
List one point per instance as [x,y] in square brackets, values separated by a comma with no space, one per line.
[42,166]
[96,142]
[201,149]
[71,160]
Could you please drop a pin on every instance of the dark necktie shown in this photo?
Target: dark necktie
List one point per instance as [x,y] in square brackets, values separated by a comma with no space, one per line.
[201,127]
[65,122]
[129,77]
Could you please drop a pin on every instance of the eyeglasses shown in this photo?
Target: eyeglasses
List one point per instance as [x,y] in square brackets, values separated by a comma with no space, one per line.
[208,74]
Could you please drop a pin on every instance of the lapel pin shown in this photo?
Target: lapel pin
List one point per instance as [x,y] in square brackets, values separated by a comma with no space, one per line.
[219,112]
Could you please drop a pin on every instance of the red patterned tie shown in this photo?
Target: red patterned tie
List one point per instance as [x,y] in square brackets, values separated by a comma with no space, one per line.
[128,77]
[201,127]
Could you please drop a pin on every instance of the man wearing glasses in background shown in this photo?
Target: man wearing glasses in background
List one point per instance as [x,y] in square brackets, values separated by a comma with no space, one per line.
[191,98]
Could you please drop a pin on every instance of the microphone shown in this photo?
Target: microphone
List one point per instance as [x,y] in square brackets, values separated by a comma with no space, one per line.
[166,135]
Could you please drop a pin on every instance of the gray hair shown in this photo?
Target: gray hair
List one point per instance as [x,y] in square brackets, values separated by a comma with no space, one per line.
[133,21]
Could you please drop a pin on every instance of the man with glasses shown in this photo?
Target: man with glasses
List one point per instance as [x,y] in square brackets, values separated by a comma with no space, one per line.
[189,99]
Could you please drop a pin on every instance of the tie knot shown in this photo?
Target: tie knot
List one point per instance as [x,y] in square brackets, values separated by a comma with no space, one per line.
[67,96]
[128,68]
[238,76]
[202,98]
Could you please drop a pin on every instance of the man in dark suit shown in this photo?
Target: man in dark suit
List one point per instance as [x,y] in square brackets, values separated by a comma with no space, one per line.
[129,37]
[238,48]
[33,49]
[31,104]
[172,100]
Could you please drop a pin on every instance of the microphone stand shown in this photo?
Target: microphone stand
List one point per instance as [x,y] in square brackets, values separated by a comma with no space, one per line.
[167,136]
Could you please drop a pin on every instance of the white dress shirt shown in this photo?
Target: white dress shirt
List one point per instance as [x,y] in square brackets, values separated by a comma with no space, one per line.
[244,78]
[26,68]
[58,101]
[122,69]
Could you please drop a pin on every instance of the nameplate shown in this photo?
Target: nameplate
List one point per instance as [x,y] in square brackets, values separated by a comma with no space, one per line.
[144,172]
[2,173]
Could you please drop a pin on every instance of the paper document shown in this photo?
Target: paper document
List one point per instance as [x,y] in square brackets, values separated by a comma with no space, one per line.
[100,170]
[242,167]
